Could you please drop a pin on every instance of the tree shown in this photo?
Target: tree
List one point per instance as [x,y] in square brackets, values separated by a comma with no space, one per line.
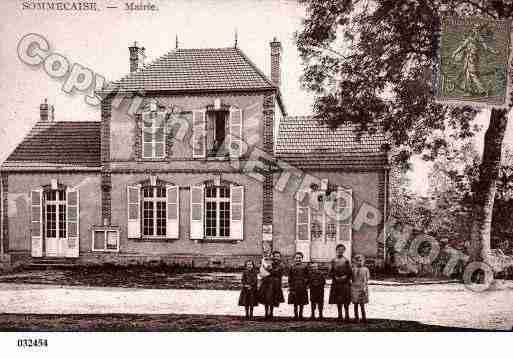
[370,62]
[450,187]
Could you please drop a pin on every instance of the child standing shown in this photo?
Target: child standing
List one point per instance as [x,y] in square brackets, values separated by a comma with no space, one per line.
[248,294]
[360,287]
[316,284]
[298,285]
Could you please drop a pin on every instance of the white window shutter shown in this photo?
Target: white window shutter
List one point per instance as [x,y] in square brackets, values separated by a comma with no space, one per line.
[345,218]
[236,212]
[199,148]
[173,203]
[235,136]
[73,222]
[134,211]
[303,240]
[36,222]
[197,212]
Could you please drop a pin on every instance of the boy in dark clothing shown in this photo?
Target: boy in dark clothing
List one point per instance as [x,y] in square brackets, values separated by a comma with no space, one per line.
[316,284]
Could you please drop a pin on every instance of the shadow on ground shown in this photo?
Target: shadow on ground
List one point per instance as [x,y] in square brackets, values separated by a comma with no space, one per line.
[201,323]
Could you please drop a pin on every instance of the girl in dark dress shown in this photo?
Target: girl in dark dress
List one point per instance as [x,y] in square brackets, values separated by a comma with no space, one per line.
[298,284]
[316,284]
[271,293]
[248,294]
[340,273]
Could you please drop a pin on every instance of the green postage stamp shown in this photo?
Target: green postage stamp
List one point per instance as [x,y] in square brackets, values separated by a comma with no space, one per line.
[473,65]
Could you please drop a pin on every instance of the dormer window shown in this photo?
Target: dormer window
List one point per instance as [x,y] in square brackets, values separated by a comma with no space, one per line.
[153,134]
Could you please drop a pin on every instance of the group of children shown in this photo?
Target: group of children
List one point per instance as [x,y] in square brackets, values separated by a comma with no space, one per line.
[264,285]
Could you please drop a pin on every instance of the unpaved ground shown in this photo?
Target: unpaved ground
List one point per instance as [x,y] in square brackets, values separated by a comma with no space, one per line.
[447,305]
[160,277]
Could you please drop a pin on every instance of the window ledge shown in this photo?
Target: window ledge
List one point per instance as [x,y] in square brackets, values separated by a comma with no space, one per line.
[218,240]
[153,239]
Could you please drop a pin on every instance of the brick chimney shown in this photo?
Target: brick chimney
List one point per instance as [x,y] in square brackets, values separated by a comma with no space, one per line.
[276,62]
[137,57]
[43,111]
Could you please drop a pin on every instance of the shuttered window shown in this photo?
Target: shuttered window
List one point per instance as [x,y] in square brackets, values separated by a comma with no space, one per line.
[152,211]
[217,212]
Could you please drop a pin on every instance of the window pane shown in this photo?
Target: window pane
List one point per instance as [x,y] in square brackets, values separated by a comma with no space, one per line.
[148,192]
[211,191]
[211,219]
[224,219]
[51,196]
[62,221]
[148,213]
[51,221]
[161,218]
[147,135]
[302,232]
[112,240]
[159,134]
[159,149]
[62,195]
[303,215]
[224,192]
[316,227]
[147,150]
[148,120]
[161,192]
[99,240]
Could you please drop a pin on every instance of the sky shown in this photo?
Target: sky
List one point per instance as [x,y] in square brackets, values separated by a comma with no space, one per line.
[99,40]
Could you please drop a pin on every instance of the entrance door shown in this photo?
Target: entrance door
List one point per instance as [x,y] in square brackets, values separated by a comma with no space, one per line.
[55,223]
[323,230]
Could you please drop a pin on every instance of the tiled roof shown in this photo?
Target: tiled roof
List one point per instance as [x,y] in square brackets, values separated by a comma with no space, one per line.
[197,69]
[63,144]
[304,141]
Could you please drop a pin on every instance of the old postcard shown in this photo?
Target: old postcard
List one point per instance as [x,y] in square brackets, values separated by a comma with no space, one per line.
[187,165]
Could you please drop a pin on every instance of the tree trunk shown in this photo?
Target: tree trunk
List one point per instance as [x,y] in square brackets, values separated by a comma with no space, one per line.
[484,192]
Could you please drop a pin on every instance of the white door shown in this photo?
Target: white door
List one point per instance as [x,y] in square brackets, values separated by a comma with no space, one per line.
[55,223]
[323,231]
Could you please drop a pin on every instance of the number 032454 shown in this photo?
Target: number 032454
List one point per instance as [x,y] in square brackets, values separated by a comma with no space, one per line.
[27,343]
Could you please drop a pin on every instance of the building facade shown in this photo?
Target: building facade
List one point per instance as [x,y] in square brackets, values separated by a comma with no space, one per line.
[194,161]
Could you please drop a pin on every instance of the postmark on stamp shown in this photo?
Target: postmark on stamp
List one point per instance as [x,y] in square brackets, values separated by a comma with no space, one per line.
[473,63]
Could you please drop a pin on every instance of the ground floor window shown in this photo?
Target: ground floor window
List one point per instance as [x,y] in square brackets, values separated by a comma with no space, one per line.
[217,218]
[154,211]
